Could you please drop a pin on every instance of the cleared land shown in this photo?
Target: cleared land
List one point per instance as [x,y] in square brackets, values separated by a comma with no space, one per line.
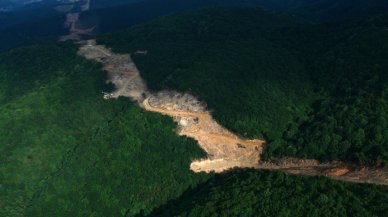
[71,23]
[225,150]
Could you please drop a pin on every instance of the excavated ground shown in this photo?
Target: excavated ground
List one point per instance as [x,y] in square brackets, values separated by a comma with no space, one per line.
[224,149]
[71,23]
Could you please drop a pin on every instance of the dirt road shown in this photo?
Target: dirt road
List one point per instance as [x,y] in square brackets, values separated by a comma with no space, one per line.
[225,150]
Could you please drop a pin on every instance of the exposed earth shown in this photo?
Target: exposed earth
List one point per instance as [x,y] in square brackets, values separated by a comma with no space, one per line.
[224,149]
[71,23]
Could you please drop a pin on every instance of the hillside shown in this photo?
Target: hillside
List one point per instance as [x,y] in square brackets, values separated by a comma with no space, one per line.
[320,11]
[335,10]
[43,21]
[65,150]
[327,10]
[252,193]
[237,75]
[309,90]
[351,123]
[87,156]
[279,72]
[39,31]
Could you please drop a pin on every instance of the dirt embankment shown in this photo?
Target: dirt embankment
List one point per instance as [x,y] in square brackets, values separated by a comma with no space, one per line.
[225,150]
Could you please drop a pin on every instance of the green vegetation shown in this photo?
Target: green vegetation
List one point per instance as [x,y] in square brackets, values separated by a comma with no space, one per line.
[253,193]
[314,91]
[232,59]
[66,151]
[310,90]
[132,164]
[327,10]
[352,123]
[36,30]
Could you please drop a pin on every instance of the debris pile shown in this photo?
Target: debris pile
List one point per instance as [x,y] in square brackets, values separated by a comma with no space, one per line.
[172,100]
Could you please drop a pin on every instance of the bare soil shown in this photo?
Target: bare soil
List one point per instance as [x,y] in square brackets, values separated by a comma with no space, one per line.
[224,149]
[122,72]
[75,30]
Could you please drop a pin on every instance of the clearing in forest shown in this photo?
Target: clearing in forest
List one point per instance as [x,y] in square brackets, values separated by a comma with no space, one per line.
[224,149]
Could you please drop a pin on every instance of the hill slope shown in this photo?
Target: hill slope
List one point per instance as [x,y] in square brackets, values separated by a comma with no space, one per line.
[24,26]
[260,71]
[351,123]
[236,60]
[65,150]
[252,193]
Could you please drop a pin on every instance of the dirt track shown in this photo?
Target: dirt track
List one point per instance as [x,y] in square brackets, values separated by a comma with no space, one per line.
[225,150]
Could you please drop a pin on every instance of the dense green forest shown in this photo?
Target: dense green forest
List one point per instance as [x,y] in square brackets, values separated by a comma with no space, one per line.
[36,30]
[335,10]
[262,193]
[327,10]
[11,18]
[242,62]
[311,90]
[233,59]
[66,151]
[351,123]
[43,21]
[140,11]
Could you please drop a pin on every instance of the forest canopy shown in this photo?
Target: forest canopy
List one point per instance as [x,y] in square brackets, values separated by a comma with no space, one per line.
[64,150]
[262,194]
[310,90]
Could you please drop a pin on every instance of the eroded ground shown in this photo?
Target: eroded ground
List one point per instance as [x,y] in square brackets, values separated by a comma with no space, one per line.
[122,72]
[76,31]
[336,170]
[225,150]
